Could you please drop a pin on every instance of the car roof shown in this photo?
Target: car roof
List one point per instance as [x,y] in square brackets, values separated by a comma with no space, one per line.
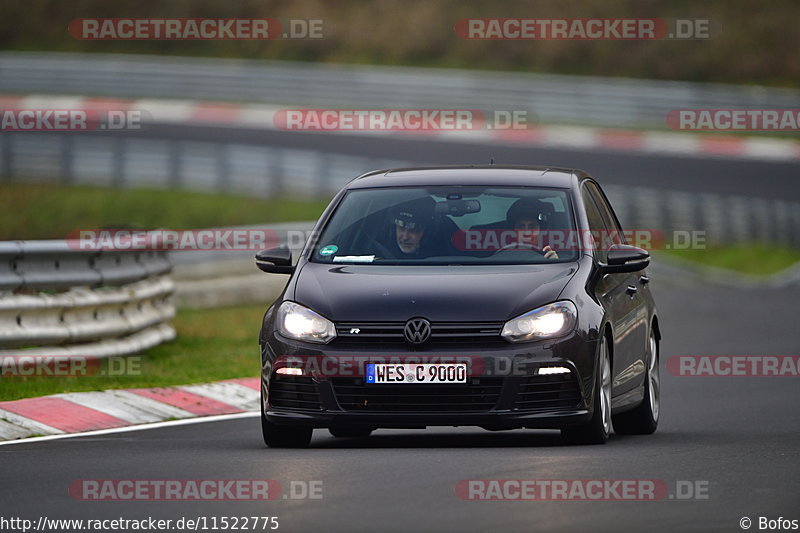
[480,175]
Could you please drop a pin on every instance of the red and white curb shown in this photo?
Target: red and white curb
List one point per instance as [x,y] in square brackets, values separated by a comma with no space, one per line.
[79,412]
[261,116]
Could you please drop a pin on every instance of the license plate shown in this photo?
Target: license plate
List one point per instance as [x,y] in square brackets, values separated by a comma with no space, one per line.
[416,373]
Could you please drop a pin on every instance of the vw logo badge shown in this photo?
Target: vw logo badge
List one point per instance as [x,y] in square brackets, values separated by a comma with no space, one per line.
[417,331]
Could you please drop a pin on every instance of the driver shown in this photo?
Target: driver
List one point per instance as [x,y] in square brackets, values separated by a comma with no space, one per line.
[528,215]
[411,220]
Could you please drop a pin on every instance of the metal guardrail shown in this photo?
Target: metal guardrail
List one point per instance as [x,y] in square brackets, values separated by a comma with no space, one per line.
[260,172]
[584,100]
[56,299]
[203,166]
[61,264]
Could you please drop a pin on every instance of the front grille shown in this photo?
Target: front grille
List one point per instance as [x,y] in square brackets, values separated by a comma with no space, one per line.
[478,394]
[294,392]
[442,333]
[556,391]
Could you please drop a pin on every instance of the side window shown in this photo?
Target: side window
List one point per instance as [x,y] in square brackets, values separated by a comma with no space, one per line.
[596,224]
[615,232]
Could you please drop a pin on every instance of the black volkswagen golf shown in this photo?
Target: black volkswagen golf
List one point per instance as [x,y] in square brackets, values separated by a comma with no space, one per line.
[500,297]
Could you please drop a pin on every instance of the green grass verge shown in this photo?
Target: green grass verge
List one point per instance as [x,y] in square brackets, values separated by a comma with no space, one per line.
[51,211]
[211,344]
[757,259]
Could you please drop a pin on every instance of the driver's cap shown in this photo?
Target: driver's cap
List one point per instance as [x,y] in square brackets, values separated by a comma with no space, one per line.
[531,208]
[415,215]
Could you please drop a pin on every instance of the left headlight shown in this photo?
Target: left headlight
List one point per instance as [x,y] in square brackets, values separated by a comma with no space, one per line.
[547,322]
[302,324]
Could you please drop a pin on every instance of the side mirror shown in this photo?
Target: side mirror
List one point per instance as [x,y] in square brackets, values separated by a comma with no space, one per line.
[275,260]
[625,258]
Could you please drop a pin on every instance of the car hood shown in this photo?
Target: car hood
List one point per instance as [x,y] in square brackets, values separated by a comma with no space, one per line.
[375,293]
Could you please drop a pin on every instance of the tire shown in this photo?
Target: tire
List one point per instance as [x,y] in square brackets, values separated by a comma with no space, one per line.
[644,419]
[350,432]
[596,430]
[276,436]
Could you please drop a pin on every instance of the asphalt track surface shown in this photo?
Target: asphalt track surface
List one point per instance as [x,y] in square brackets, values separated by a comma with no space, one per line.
[692,173]
[738,435]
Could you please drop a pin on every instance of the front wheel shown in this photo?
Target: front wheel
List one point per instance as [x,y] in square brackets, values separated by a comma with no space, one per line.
[644,419]
[596,430]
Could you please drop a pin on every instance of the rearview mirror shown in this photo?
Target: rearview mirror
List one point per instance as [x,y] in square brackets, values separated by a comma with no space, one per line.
[275,260]
[457,208]
[625,258]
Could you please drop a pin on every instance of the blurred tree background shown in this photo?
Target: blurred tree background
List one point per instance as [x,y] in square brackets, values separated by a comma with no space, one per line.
[753,42]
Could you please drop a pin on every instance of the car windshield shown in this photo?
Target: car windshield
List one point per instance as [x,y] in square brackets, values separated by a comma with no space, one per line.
[448,225]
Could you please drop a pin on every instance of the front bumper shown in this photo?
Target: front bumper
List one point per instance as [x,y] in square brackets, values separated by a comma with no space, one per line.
[493,420]
[504,390]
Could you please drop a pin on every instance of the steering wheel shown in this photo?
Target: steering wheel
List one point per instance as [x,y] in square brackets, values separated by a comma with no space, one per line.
[519,246]
[383,252]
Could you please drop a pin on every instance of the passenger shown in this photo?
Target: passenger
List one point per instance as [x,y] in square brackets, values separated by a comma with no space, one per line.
[528,215]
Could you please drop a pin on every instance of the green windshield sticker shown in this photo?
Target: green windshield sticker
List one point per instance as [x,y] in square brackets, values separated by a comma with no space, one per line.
[329,250]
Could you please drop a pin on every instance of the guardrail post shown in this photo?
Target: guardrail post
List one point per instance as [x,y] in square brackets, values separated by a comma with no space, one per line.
[67,158]
[223,168]
[119,146]
[275,172]
[794,228]
[761,212]
[783,226]
[676,215]
[724,219]
[323,173]
[175,164]
[699,219]
[6,141]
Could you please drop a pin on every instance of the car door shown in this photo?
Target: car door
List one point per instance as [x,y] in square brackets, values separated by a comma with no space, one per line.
[636,288]
[619,295]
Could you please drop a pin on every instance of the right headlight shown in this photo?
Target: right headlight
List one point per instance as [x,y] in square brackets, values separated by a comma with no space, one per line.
[546,322]
[301,323]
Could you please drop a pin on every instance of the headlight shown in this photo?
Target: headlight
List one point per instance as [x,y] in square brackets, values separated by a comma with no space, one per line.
[303,324]
[553,320]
